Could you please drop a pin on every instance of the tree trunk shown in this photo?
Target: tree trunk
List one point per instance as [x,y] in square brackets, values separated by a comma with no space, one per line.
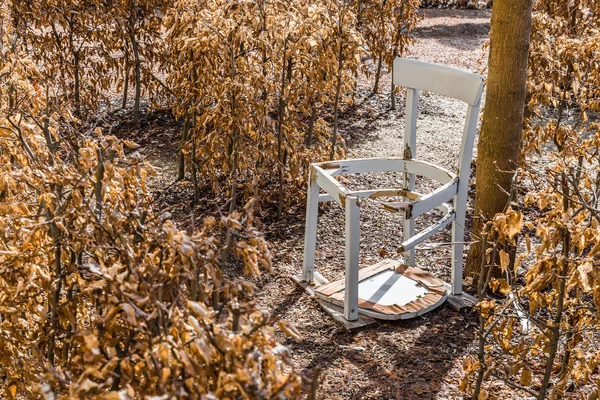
[181,161]
[46,128]
[378,74]
[393,88]
[126,85]
[380,58]
[280,112]
[138,79]
[195,177]
[234,166]
[555,328]
[54,296]
[337,101]
[396,44]
[311,123]
[77,84]
[500,138]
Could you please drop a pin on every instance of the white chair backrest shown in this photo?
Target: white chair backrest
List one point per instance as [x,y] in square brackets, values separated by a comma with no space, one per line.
[447,81]
[451,82]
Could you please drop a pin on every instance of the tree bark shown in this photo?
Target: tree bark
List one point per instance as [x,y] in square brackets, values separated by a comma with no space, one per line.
[500,138]
[194,177]
[396,44]
[126,85]
[280,112]
[337,100]
[393,88]
[138,76]
[138,85]
[555,328]
[234,166]
[77,84]
[181,160]
[311,122]
[378,74]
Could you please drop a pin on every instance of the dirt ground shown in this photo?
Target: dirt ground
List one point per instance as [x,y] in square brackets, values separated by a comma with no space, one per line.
[415,359]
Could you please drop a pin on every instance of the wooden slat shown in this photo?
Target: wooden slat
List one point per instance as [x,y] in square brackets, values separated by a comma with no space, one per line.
[331,168]
[447,81]
[427,233]
[432,200]
[410,152]
[460,201]
[334,292]
[410,133]
[369,165]
[330,185]
[334,311]
[310,230]
[329,288]
[371,310]
[430,171]
[320,279]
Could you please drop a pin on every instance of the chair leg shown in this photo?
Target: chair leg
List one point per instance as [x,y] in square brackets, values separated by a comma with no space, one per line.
[352,252]
[409,179]
[409,231]
[310,230]
[458,238]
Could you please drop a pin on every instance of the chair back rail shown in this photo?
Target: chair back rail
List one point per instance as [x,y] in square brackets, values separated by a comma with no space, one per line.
[447,81]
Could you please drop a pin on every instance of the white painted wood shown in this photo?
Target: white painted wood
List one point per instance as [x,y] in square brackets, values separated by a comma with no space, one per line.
[410,152]
[430,171]
[369,165]
[447,81]
[325,198]
[409,232]
[330,185]
[330,170]
[427,233]
[415,76]
[410,133]
[461,301]
[334,310]
[445,208]
[434,199]
[401,205]
[388,317]
[352,252]
[389,288]
[310,230]
[385,192]
[458,237]
[523,316]
[460,201]
[320,279]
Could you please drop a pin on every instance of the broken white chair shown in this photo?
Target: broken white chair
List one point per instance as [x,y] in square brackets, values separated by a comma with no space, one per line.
[390,290]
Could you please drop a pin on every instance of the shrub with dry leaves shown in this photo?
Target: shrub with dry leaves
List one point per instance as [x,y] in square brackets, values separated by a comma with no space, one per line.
[541,337]
[100,296]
